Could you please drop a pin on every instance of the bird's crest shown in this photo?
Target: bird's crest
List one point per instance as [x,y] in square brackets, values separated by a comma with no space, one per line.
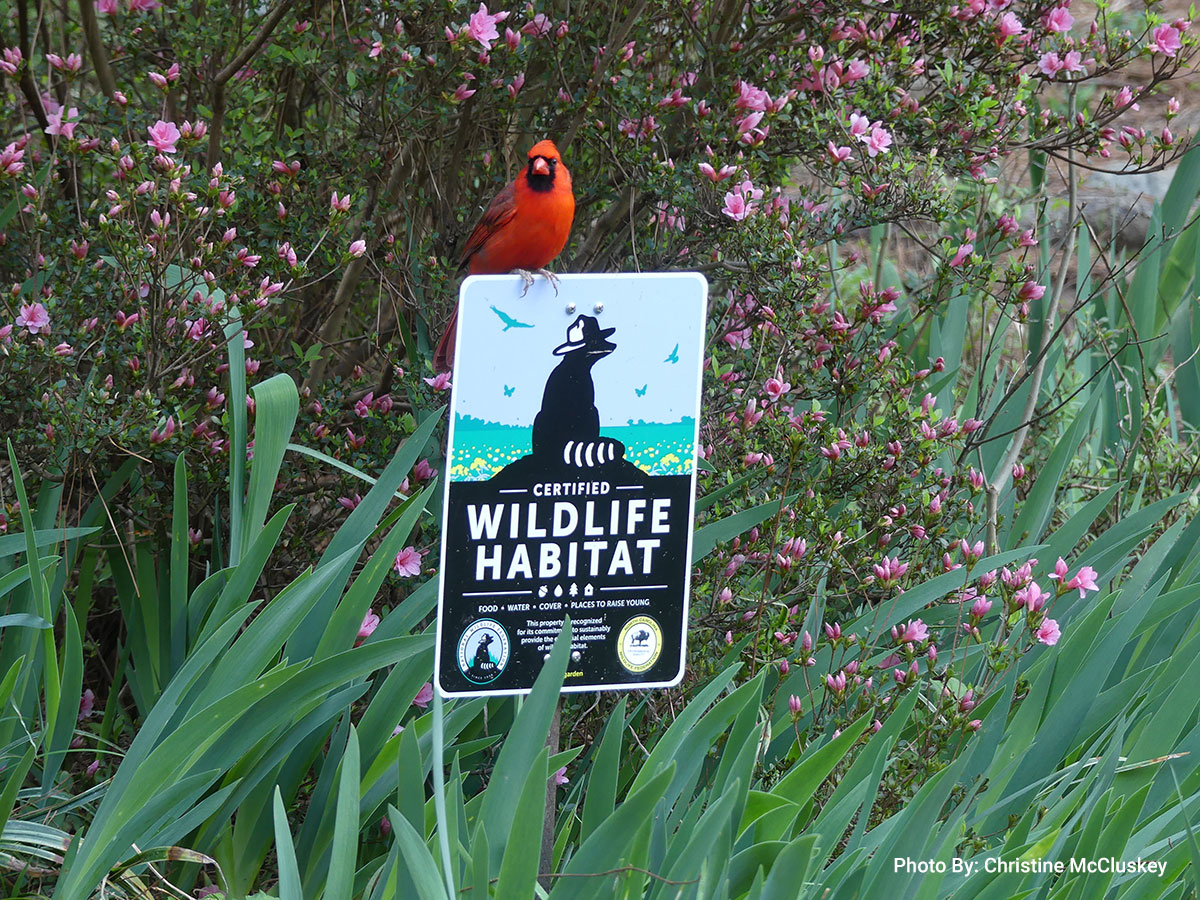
[544,148]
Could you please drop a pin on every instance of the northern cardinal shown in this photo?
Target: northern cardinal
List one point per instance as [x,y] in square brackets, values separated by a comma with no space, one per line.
[523,229]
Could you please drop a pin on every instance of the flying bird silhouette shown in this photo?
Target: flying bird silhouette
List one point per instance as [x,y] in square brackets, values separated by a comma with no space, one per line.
[674,357]
[641,392]
[509,321]
[508,391]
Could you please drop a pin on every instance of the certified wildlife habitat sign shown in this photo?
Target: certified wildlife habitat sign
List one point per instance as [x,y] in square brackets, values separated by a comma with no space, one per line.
[571,481]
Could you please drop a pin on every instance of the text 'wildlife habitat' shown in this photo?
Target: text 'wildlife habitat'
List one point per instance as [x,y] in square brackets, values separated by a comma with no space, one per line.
[571,466]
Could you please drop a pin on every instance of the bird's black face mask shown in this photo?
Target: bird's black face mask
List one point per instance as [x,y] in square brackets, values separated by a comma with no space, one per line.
[540,173]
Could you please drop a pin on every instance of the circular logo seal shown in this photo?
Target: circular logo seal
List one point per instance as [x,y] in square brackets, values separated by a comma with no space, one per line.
[483,651]
[639,644]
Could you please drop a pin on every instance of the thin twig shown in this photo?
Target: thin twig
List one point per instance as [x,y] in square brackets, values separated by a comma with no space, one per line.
[1039,368]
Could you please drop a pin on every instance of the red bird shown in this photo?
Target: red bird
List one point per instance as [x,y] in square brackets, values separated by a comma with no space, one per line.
[523,229]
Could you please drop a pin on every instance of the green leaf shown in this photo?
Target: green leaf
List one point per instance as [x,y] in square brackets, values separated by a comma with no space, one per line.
[178,596]
[242,580]
[285,854]
[236,407]
[12,544]
[277,402]
[706,538]
[801,783]
[525,739]
[421,867]
[70,691]
[611,843]
[601,797]
[1038,506]
[14,779]
[339,465]
[519,868]
[344,850]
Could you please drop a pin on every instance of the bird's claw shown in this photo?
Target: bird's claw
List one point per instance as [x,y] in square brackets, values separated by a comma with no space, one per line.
[526,278]
[550,277]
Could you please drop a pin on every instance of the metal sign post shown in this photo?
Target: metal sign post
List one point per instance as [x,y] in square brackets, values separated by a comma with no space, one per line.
[570,481]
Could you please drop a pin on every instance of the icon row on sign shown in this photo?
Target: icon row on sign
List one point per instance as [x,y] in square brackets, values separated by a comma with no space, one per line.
[572,591]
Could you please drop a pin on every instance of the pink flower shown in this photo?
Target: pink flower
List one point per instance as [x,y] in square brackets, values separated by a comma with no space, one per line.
[369,623]
[964,250]
[560,777]
[675,98]
[106,7]
[62,122]
[751,97]
[87,703]
[537,27]
[1010,26]
[1073,62]
[1060,570]
[838,154]
[836,683]
[440,382]
[34,317]
[1048,633]
[73,63]
[93,768]
[159,435]
[408,562]
[1032,597]
[715,175]
[860,126]
[1049,64]
[358,248]
[1165,40]
[1123,98]
[1031,290]
[1085,581]
[423,471]
[749,122]
[287,254]
[878,142]
[736,206]
[11,61]
[1058,19]
[794,705]
[891,569]
[774,388]
[424,695]
[163,136]
[915,632]
[482,26]
[10,160]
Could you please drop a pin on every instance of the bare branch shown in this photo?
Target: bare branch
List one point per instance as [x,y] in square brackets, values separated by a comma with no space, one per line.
[95,43]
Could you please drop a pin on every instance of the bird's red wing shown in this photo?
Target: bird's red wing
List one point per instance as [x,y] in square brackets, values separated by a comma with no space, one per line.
[499,213]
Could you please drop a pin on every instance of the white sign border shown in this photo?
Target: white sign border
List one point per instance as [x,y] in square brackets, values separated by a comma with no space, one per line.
[564,282]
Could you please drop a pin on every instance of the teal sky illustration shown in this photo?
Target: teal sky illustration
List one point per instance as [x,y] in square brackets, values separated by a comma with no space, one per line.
[500,373]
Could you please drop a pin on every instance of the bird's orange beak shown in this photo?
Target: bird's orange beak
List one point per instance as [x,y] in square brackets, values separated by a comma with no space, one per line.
[540,166]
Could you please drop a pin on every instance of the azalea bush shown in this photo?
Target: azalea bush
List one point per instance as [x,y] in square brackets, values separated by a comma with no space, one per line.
[942,417]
